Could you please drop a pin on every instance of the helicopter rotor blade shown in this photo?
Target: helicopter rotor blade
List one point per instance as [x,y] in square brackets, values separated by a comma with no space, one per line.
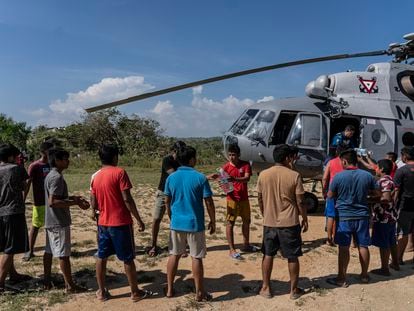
[233,75]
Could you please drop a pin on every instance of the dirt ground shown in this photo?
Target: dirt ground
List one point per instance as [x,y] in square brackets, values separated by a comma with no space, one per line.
[233,284]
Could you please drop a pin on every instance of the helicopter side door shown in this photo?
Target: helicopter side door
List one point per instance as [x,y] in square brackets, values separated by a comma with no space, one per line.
[378,136]
[309,133]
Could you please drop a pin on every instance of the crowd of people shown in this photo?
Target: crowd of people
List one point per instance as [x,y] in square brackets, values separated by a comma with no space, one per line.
[356,201]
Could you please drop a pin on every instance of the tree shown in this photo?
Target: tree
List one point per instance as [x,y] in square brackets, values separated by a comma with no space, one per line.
[13,132]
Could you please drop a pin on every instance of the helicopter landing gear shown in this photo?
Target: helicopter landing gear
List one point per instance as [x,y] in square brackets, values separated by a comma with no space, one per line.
[311,202]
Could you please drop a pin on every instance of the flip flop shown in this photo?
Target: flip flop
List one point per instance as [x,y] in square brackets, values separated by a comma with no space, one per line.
[145,294]
[236,256]
[205,298]
[296,295]
[153,252]
[334,282]
[28,257]
[105,295]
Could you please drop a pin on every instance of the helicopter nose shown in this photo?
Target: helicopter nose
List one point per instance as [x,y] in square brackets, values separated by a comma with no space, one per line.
[229,139]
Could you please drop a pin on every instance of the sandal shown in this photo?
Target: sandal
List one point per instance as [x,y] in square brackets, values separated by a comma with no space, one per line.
[144,294]
[236,256]
[297,294]
[205,298]
[104,296]
[334,282]
[27,257]
[153,251]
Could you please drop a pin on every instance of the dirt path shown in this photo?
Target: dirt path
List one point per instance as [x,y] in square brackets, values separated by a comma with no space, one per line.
[233,284]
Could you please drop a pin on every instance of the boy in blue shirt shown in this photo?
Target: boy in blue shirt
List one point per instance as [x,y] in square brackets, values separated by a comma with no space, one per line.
[350,188]
[185,190]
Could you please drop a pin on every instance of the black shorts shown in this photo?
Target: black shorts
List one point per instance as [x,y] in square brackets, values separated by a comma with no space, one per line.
[13,234]
[287,239]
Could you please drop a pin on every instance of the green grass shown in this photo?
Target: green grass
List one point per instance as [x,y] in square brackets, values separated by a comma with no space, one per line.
[79,179]
[37,300]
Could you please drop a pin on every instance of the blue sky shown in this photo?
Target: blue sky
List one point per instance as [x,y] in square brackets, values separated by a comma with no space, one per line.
[57,57]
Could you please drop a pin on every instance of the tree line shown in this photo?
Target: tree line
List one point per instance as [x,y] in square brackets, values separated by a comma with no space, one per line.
[141,140]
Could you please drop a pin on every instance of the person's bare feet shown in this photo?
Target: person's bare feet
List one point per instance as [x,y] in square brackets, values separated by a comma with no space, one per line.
[265,292]
[169,293]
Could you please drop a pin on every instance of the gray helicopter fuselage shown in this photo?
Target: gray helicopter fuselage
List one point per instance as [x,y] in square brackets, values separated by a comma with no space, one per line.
[379,102]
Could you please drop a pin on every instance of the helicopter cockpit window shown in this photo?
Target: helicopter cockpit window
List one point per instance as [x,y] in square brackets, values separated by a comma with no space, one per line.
[244,121]
[306,131]
[262,126]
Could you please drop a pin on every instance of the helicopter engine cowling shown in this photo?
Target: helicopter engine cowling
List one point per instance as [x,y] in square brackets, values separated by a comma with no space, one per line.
[318,88]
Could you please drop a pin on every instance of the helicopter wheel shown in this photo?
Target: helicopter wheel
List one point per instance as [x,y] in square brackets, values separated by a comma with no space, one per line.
[311,202]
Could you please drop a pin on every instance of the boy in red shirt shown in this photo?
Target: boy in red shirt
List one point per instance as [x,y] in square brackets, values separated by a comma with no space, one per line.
[111,195]
[238,200]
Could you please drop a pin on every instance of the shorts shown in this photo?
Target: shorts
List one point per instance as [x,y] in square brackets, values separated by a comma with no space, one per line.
[38,216]
[159,209]
[13,234]
[287,239]
[405,222]
[330,208]
[116,240]
[383,235]
[58,242]
[235,209]
[195,240]
[358,228]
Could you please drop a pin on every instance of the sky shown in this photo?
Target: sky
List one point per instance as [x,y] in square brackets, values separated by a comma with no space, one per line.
[59,57]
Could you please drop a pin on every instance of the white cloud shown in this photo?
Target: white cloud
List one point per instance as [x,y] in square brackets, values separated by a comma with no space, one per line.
[265,99]
[61,112]
[204,117]
[197,90]
[163,107]
[38,113]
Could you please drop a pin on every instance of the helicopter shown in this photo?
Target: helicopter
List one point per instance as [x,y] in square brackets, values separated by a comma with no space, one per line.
[378,102]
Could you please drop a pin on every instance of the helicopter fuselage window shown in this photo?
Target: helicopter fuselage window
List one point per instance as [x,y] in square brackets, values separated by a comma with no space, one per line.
[282,128]
[306,131]
[244,121]
[262,126]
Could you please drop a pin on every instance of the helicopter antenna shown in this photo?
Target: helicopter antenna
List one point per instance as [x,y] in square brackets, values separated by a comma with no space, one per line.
[401,52]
